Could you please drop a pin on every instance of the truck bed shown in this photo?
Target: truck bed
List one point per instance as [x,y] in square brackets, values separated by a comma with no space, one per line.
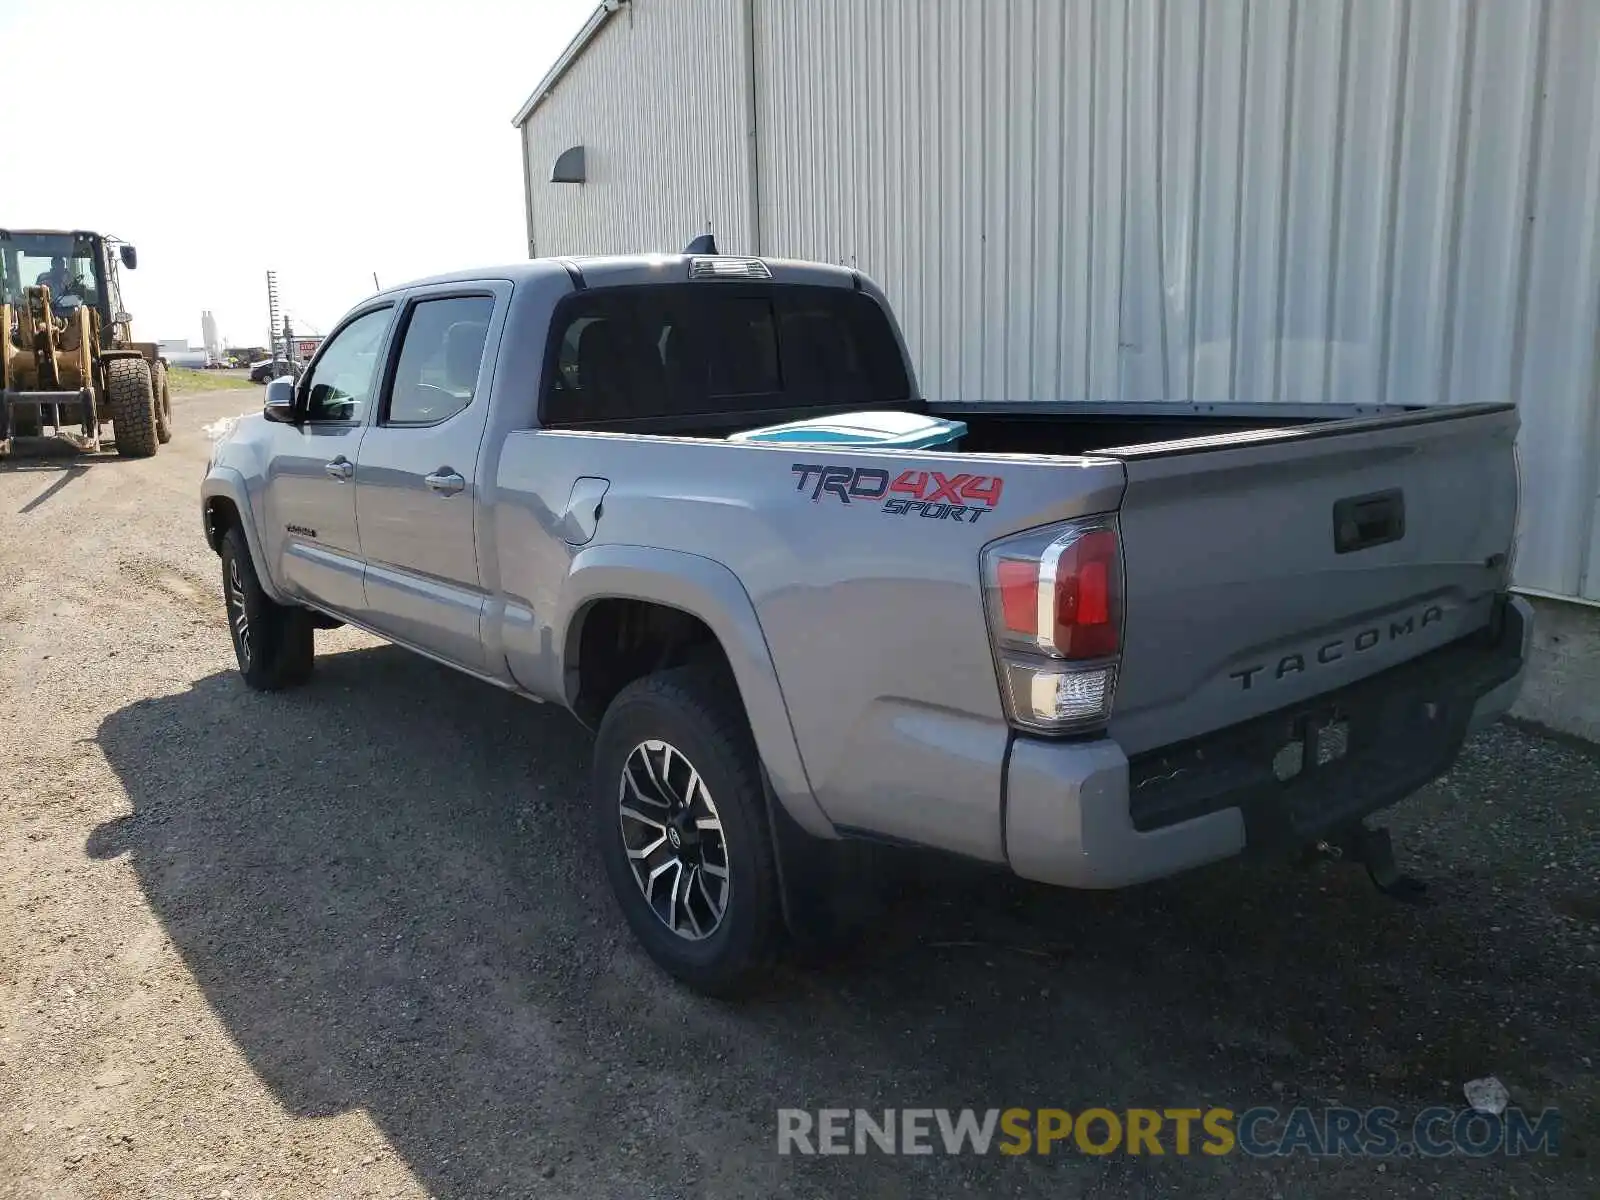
[1246,593]
[1093,427]
[1064,428]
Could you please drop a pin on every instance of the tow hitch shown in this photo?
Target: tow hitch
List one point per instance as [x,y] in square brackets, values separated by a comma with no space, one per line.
[1372,849]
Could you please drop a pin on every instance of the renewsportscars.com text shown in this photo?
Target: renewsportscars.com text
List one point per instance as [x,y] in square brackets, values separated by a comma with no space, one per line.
[1258,1132]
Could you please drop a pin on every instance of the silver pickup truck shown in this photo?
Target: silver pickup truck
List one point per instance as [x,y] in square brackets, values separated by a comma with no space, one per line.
[1093,643]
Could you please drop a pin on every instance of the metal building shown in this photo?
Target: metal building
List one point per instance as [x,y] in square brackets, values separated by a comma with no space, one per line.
[1343,200]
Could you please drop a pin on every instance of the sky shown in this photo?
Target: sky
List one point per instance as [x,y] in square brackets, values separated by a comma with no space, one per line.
[327,141]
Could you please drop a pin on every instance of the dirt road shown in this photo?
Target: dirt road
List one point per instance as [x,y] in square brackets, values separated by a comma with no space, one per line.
[351,941]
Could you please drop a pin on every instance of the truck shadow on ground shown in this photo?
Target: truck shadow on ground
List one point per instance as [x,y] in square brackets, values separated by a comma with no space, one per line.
[384,884]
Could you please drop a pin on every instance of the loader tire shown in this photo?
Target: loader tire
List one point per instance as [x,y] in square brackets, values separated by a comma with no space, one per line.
[163,397]
[132,406]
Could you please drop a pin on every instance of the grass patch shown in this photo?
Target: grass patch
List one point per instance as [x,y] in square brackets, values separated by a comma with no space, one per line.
[182,379]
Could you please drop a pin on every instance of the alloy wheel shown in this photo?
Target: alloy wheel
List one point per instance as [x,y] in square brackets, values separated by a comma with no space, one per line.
[673,838]
[239,614]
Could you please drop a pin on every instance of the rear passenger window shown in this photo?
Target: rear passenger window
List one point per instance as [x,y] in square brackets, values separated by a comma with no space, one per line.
[441,351]
[714,348]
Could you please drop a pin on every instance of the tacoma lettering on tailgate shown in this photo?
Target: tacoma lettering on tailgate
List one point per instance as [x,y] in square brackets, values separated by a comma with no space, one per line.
[1334,649]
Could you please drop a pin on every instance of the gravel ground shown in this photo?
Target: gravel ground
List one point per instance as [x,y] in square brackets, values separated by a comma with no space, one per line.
[351,941]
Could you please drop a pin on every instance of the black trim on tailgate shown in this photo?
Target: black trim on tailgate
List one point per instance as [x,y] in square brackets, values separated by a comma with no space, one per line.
[1394,731]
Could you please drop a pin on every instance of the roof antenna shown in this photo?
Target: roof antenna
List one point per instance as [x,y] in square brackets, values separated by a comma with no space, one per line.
[706,243]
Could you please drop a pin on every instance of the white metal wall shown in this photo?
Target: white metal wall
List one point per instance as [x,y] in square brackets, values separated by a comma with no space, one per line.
[654,101]
[1345,200]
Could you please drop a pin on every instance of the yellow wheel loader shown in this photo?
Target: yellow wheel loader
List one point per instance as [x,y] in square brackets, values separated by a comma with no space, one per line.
[67,354]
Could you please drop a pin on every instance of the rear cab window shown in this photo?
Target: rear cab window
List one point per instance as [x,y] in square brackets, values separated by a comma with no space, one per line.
[441,352]
[712,352]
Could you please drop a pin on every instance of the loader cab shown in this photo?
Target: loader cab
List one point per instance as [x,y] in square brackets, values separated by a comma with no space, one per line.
[79,269]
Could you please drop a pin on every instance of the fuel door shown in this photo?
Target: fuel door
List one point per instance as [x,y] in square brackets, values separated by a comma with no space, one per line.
[584,506]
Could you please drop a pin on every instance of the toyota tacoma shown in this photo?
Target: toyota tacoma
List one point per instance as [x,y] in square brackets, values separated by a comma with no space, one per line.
[700,501]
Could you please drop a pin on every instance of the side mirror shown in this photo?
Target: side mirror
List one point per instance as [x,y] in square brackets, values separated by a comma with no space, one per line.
[279,404]
[130,256]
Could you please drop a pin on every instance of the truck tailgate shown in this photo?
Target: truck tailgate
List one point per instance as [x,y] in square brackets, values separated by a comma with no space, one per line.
[1263,569]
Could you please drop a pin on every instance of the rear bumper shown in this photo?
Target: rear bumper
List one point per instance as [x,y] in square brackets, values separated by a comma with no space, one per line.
[1517,616]
[1080,814]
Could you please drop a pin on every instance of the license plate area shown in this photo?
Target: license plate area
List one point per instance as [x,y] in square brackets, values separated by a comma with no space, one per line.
[1315,742]
[1401,728]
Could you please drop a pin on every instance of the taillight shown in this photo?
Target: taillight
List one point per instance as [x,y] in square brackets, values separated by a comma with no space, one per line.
[1055,614]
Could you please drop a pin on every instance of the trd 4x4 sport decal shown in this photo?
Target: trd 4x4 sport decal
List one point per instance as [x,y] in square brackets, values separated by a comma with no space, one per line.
[931,494]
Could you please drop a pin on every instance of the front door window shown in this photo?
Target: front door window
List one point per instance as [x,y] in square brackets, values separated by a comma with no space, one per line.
[340,383]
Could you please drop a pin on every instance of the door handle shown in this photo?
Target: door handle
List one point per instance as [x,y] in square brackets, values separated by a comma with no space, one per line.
[444,481]
[340,468]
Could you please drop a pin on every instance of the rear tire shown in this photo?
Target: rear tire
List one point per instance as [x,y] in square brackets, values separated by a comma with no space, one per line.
[131,403]
[274,644]
[163,399]
[676,749]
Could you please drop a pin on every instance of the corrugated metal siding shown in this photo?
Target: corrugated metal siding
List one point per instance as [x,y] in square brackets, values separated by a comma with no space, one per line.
[1345,200]
[654,101]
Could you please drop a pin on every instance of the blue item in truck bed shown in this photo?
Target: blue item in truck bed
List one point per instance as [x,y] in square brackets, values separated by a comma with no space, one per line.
[893,430]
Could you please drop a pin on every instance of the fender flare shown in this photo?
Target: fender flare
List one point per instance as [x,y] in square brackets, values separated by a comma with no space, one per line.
[228,484]
[710,591]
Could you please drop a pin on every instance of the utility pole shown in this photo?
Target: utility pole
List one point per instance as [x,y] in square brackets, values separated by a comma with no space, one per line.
[288,347]
[272,312]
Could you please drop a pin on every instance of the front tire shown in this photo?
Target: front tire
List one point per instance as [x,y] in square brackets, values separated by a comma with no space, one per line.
[163,399]
[132,405]
[274,644]
[681,820]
